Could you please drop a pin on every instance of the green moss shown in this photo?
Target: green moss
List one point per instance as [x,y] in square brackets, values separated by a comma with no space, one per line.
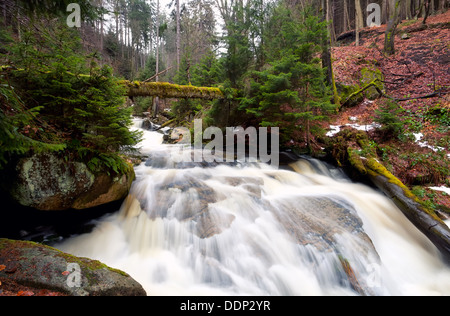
[168,90]
[343,151]
[374,168]
[85,263]
[375,76]
[348,95]
[89,264]
[356,161]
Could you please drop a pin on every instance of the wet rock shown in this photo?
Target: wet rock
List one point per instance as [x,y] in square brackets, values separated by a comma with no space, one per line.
[318,220]
[48,182]
[42,267]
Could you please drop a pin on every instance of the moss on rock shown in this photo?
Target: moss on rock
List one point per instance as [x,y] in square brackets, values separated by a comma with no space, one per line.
[43,267]
[348,94]
[48,182]
[369,75]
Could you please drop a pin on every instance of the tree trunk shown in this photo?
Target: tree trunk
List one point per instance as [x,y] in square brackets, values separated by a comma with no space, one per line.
[346,17]
[419,10]
[384,11]
[116,15]
[359,20]
[442,6]
[326,50]
[101,27]
[178,36]
[408,11]
[156,99]
[427,4]
[394,20]
[4,13]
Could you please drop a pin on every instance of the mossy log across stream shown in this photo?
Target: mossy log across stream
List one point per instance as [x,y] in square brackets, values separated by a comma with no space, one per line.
[169,90]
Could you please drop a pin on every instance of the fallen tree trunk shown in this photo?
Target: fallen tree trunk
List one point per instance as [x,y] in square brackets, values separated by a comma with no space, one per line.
[171,91]
[373,83]
[343,151]
[424,219]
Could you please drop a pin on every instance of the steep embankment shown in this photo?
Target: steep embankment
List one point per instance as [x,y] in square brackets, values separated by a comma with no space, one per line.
[416,79]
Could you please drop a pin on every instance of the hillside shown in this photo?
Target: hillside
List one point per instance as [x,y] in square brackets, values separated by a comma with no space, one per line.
[418,78]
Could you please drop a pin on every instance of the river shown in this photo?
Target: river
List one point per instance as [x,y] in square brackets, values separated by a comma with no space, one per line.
[250,229]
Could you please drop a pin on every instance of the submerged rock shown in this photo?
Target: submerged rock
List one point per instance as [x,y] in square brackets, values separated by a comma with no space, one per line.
[47,182]
[42,267]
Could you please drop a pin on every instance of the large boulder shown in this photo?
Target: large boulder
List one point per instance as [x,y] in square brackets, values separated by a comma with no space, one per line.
[39,267]
[50,183]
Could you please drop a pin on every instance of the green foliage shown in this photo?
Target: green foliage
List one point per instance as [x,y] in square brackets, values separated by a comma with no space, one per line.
[149,70]
[388,116]
[19,127]
[79,104]
[291,92]
[238,57]
[54,8]
[207,73]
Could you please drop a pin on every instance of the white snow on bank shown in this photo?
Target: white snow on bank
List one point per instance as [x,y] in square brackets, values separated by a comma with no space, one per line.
[334,129]
[443,189]
[419,136]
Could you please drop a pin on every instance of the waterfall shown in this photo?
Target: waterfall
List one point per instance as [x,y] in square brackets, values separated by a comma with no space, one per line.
[250,229]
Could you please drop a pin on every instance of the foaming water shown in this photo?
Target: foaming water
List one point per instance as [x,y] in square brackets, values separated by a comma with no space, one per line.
[249,229]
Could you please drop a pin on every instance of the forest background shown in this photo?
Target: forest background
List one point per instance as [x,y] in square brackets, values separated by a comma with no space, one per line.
[300,65]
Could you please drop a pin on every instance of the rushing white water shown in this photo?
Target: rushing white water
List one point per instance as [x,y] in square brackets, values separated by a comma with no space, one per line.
[243,229]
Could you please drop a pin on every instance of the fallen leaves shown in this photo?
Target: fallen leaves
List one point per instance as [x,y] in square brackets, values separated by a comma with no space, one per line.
[2,267]
[9,287]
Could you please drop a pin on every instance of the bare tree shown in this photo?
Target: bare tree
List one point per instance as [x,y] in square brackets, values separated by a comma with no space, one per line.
[178,35]
[359,20]
[394,20]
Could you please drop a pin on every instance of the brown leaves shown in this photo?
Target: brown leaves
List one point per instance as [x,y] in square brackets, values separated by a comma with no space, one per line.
[2,267]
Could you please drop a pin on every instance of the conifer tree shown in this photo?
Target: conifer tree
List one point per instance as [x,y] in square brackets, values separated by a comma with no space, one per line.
[292,92]
[79,105]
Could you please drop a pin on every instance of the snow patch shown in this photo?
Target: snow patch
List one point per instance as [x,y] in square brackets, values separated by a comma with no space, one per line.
[442,188]
[419,136]
[334,129]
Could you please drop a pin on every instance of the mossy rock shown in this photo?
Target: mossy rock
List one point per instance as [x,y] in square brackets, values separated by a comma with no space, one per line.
[345,91]
[369,75]
[50,183]
[42,267]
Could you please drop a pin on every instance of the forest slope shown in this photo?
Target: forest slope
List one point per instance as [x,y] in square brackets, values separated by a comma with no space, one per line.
[417,76]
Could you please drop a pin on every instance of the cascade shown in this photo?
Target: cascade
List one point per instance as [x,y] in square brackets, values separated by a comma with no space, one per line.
[251,229]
